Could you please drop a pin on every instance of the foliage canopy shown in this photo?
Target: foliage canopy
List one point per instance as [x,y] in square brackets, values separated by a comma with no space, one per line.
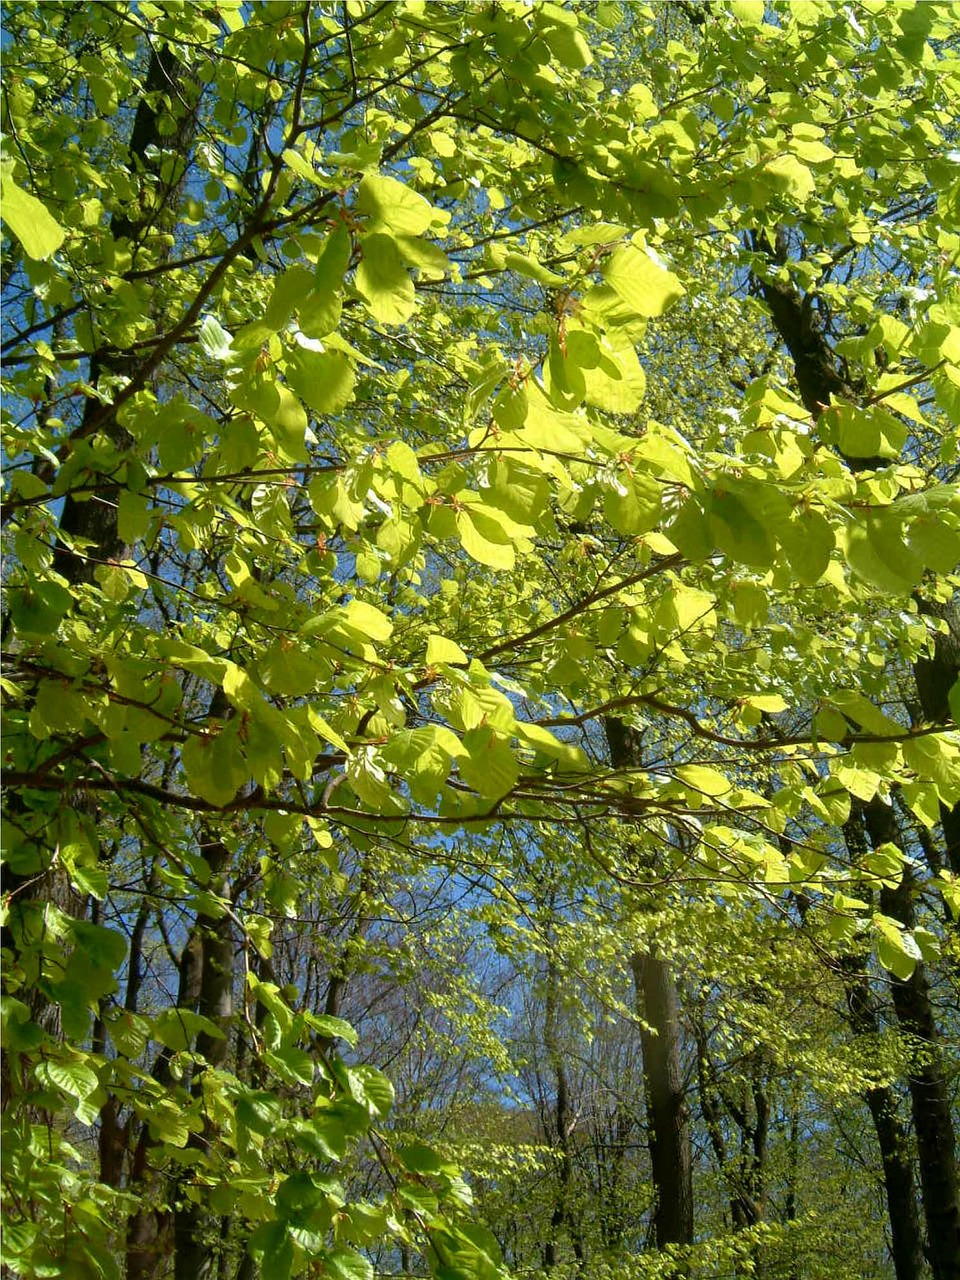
[402,401]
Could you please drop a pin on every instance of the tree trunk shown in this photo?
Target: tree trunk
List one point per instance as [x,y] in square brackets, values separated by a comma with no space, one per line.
[148,1228]
[935,677]
[906,1244]
[94,518]
[819,375]
[671,1158]
[929,1090]
[793,1187]
[563,1129]
[906,1240]
[658,1006]
[197,1235]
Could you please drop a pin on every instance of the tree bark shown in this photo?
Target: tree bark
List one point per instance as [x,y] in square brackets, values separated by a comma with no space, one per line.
[929,1090]
[148,1228]
[906,1237]
[563,1129]
[820,374]
[94,518]
[935,677]
[658,1006]
[198,1235]
[671,1159]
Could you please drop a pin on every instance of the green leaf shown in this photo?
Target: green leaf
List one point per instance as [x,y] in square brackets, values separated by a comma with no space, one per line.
[684,609]
[393,204]
[896,949]
[738,532]
[289,290]
[567,44]
[347,1264]
[377,1090]
[439,649]
[510,408]
[867,433]
[787,176]
[214,766]
[749,12]
[424,756]
[886,862]
[272,1248]
[288,424]
[484,539]
[19,1031]
[105,948]
[565,754]
[935,543]
[39,607]
[368,619]
[178,1028]
[71,1077]
[710,782]
[301,167]
[419,1158]
[384,282]
[645,286]
[531,268]
[875,551]
[324,380]
[490,767]
[631,503]
[808,541]
[214,340]
[298,1194]
[332,1028]
[949,886]
[30,221]
[617,384]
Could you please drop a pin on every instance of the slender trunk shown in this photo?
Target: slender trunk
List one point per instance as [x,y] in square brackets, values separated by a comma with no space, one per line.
[906,1240]
[793,1184]
[658,1007]
[906,1246]
[743,1178]
[563,1128]
[197,1235]
[148,1228]
[247,1268]
[710,1104]
[929,1088]
[935,677]
[670,1150]
[341,971]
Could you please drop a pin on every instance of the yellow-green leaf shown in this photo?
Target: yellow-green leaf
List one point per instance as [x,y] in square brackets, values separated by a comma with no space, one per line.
[30,221]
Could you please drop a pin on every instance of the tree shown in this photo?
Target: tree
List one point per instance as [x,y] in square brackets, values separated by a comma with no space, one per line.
[397,400]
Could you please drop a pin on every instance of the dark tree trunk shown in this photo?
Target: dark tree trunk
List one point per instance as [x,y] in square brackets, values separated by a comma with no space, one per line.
[148,1229]
[929,1090]
[671,1159]
[94,518]
[197,1235]
[744,1176]
[820,375]
[658,1006]
[906,1238]
[793,1188]
[935,677]
[563,1121]
[906,1245]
